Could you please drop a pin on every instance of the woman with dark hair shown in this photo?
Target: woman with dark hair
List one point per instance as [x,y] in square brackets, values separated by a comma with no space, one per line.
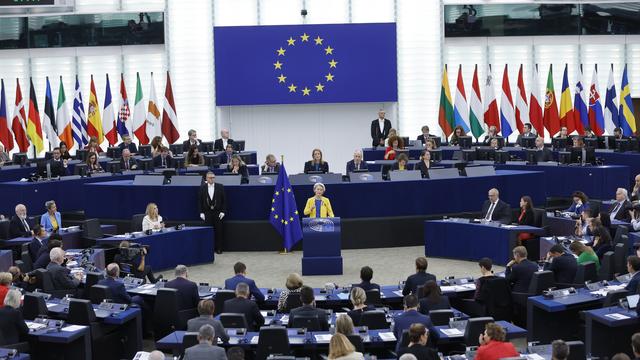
[395,143]
[402,162]
[425,163]
[93,166]
[156,146]
[237,166]
[526,217]
[93,146]
[584,253]
[580,203]
[457,132]
[64,151]
[602,241]
[432,298]
[194,158]
[316,164]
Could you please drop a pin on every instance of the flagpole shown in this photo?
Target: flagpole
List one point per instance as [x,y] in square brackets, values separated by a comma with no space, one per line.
[284,250]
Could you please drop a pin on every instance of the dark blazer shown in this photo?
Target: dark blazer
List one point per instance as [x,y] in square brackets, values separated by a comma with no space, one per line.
[422,139]
[218,144]
[16,227]
[117,290]
[420,352]
[132,147]
[351,166]
[13,326]
[415,280]
[242,171]
[544,155]
[529,218]
[404,320]
[43,259]
[308,166]
[157,161]
[246,307]
[217,204]
[519,275]
[308,310]
[188,297]
[632,286]
[231,283]
[367,285]
[34,248]
[132,162]
[564,268]
[186,145]
[423,168]
[356,315]
[58,169]
[61,277]
[519,139]
[623,212]
[376,135]
[426,305]
[196,323]
[501,213]
[225,158]
[265,168]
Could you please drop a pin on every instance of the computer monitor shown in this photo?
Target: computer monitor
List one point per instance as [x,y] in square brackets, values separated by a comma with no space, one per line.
[113,167]
[238,145]
[41,168]
[558,143]
[114,152]
[501,141]
[591,142]
[468,155]
[80,169]
[20,159]
[437,139]
[501,156]
[246,158]
[178,162]
[473,171]
[485,153]
[622,145]
[633,144]
[532,156]
[176,149]
[82,154]
[144,150]
[436,155]
[578,157]
[207,146]
[405,140]
[528,142]
[607,142]
[48,155]
[465,142]
[212,161]
[145,164]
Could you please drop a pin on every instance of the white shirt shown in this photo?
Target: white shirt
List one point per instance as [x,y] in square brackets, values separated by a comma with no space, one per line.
[635,223]
[211,188]
[617,208]
[224,143]
[381,124]
[148,224]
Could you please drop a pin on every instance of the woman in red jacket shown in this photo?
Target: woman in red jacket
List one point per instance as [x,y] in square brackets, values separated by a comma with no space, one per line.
[493,345]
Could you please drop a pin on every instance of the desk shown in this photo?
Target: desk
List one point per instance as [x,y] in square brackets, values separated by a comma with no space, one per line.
[4,353]
[6,260]
[71,239]
[472,241]
[69,345]
[606,336]
[16,172]
[189,246]
[95,256]
[513,332]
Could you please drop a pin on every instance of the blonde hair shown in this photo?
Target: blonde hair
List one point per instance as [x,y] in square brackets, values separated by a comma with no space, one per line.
[294,281]
[344,324]
[357,296]
[340,346]
[148,211]
[5,278]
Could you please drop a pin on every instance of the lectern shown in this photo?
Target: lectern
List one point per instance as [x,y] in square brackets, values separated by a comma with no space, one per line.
[321,246]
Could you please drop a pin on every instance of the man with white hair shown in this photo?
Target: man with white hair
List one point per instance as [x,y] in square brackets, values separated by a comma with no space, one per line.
[127,162]
[221,144]
[11,321]
[188,297]
[60,275]
[357,164]
[20,224]
[205,350]
[156,355]
[619,210]
[495,209]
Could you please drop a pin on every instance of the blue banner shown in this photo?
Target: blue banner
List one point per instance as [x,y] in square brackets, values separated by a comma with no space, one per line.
[301,64]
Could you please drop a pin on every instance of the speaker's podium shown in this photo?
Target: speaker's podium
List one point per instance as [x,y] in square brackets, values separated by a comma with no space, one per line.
[321,246]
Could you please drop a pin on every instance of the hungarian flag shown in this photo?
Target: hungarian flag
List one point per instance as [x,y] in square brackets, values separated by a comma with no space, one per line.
[596,117]
[491,116]
[5,133]
[476,115]
[19,122]
[48,119]
[551,119]
[535,110]
[34,127]
[169,115]
[63,120]
[109,118]
[154,124]
[566,107]
[94,127]
[522,111]
[445,113]
[139,115]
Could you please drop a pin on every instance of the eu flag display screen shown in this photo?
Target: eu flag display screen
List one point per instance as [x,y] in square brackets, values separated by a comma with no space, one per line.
[300,64]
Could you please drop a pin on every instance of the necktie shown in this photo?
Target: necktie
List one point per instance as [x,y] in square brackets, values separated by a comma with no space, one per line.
[126,164]
[615,209]
[26,225]
[358,166]
[490,212]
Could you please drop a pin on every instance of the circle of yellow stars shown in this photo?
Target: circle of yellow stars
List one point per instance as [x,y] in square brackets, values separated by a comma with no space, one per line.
[306,90]
[273,209]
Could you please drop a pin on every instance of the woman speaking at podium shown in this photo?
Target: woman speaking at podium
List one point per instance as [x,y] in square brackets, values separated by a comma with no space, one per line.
[318,201]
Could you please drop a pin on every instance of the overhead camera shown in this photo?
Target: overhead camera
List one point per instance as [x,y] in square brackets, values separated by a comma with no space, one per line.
[303,12]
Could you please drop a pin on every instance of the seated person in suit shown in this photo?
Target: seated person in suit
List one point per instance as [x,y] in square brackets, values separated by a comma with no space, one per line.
[206,348]
[425,163]
[93,146]
[117,290]
[418,337]
[495,209]
[486,274]
[410,316]
[492,132]
[191,141]
[494,144]
[419,278]
[580,203]
[39,240]
[588,133]
[602,241]
[584,253]
[635,191]
[221,144]
[308,308]
[156,146]
[206,309]
[357,163]
[271,165]
[526,217]
[358,298]
[228,154]
[237,166]
[242,305]
[64,151]
[583,227]
[164,160]
[340,348]
[14,329]
[292,285]
[493,344]
[563,265]
[617,134]
[634,213]
[401,163]
[619,210]
[520,270]
[543,154]
[152,219]
[127,162]
[57,164]
[432,298]
[633,267]
[395,143]
[430,145]
[458,131]
[43,256]
[425,136]
[61,277]
[188,297]
[51,221]
[366,274]
[311,208]
[20,280]
[93,166]
[240,269]
[527,133]
[20,225]
[128,144]
[316,164]
[136,262]
[563,134]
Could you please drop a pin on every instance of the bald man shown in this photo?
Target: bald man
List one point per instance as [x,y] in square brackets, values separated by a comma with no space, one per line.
[61,276]
[20,224]
[221,144]
[495,209]
[116,288]
[156,355]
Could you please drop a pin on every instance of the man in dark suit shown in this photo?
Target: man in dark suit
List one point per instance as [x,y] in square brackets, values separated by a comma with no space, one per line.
[60,275]
[225,158]
[419,278]
[192,141]
[164,160]
[127,162]
[563,265]
[309,309]
[128,144]
[39,240]
[366,274]
[520,270]
[425,135]
[242,305]
[57,166]
[205,349]
[411,316]
[20,224]
[188,297]
[116,288]
[619,210]
[221,144]
[633,267]
[526,134]
[357,163]
[543,154]
[240,269]
[211,202]
[495,209]
[380,129]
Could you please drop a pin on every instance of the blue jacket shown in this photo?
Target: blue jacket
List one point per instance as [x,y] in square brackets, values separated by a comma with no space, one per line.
[231,283]
[117,290]
[45,221]
[578,209]
[403,322]
[632,286]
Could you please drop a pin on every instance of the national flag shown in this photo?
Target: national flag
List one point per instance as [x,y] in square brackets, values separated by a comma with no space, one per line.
[284,214]
[34,126]
[610,105]
[19,121]
[491,117]
[139,115]
[79,118]
[94,127]
[566,108]
[154,124]
[596,118]
[123,124]
[6,137]
[522,109]
[108,117]
[63,120]
[535,110]
[476,113]
[445,113]
[169,115]
[550,119]
[461,108]
[625,114]
[48,119]
[580,112]
[507,115]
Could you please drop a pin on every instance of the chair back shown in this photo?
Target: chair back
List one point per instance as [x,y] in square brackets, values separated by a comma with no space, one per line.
[586,272]
[607,266]
[221,297]
[595,206]
[91,229]
[233,320]
[98,293]
[356,341]
[136,222]
[620,259]
[188,340]
[4,229]
[440,317]
[620,230]
[373,297]
[81,312]
[474,328]
[404,339]
[541,281]
[92,279]
[499,300]
[309,322]
[576,350]
[293,301]
[540,217]
[613,296]
[167,305]
[375,319]
[33,306]
[26,261]
[272,340]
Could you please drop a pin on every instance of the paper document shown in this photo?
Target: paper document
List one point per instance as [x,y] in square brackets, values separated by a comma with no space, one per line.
[452,332]
[323,338]
[254,340]
[387,336]
[72,328]
[617,316]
